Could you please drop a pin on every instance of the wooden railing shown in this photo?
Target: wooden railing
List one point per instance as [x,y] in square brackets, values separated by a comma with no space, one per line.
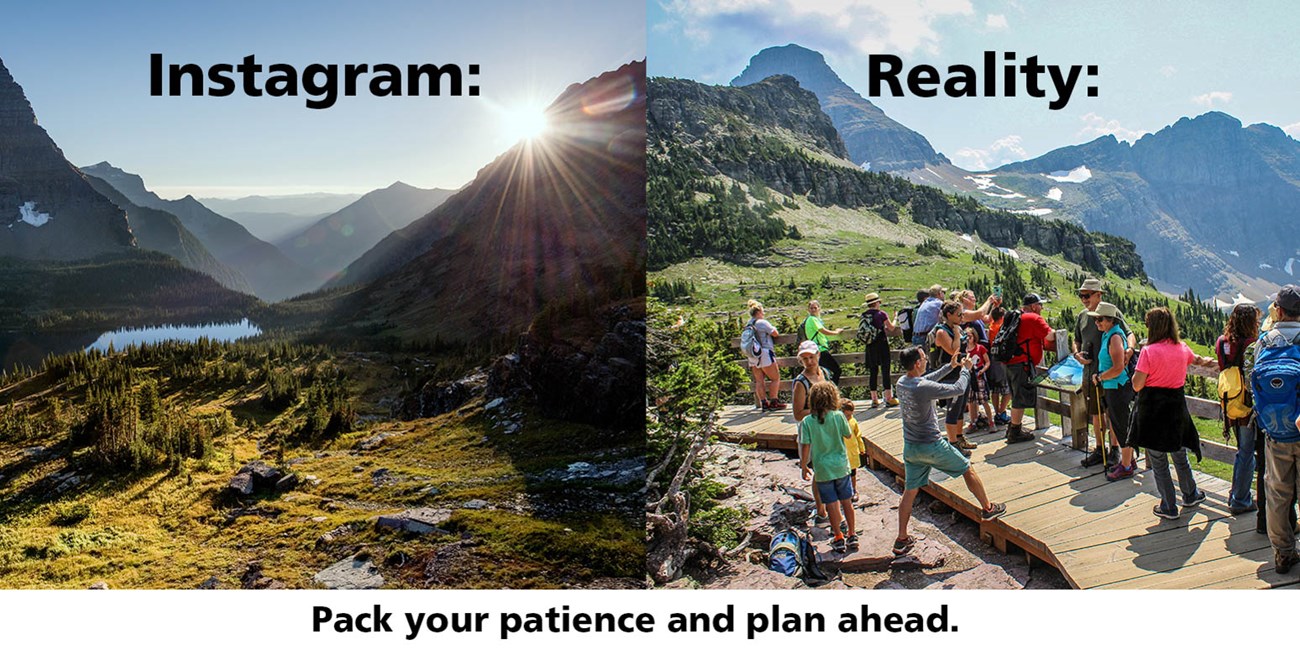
[1070,407]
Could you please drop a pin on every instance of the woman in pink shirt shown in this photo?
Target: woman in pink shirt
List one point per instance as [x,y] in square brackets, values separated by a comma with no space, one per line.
[1161,423]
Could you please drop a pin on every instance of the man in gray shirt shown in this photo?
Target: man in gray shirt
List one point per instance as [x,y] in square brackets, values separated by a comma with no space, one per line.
[924,447]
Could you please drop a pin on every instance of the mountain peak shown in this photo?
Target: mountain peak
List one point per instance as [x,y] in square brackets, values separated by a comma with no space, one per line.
[808,66]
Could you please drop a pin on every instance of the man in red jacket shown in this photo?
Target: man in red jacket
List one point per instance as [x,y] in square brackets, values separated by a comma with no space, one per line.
[1033,334]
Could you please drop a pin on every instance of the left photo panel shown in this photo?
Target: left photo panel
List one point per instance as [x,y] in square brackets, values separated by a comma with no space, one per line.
[323,295]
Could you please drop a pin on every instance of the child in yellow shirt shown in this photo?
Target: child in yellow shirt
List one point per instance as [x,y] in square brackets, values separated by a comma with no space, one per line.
[854,445]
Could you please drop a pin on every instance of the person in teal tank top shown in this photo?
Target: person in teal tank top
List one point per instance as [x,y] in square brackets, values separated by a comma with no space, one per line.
[1113,378]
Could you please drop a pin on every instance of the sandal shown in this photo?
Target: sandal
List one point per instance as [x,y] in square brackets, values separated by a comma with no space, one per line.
[902,546]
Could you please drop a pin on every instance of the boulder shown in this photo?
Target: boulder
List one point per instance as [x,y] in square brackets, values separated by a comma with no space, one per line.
[421,521]
[350,573]
[241,484]
[474,504]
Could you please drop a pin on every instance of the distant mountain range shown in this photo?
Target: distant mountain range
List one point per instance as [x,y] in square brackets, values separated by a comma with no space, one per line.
[1210,204]
[271,274]
[554,223]
[275,218]
[47,210]
[329,245]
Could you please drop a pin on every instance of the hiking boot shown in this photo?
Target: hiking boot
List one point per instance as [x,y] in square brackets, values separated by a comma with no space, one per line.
[837,545]
[1016,433]
[995,510]
[1112,457]
[893,401]
[1164,514]
[1194,501]
[1119,472]
[964,452]
[963,443]
[1093,458]
[902,546]
[1282,563]
[851,543]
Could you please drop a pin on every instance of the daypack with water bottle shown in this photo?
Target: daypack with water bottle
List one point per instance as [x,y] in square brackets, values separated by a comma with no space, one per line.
[749,340]
[1275,381]
[793,554]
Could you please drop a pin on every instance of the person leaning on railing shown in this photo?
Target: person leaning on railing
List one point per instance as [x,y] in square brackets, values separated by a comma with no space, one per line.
[1230,352]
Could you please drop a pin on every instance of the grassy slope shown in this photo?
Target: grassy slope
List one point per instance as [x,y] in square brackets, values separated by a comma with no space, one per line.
[845,254]
[165,529]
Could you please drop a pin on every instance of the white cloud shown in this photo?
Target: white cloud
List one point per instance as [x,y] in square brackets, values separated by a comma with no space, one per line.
[1208,100]
[864,26]
[996,21]
[1007,149]
[1167,71]
[1095,126]
[1293,130]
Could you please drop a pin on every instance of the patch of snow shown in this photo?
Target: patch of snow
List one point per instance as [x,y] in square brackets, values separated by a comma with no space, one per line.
[1037,212]
[1287,268]
[1054,194]
[1234,253]
[866,166]
[1010,252]
[1265,266]
[984,183]
[981,182]
[934,173]
[27,213]
[1077,175]
[1009,195]
[1241,299]
[968,238]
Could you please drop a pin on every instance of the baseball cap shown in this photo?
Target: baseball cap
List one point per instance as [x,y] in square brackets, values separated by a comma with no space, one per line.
[1288,298]
[809,347]
[1032,299]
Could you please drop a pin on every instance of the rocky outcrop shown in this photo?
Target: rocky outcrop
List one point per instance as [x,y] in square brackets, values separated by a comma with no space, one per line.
[872,139]
[258,476]
[47,210]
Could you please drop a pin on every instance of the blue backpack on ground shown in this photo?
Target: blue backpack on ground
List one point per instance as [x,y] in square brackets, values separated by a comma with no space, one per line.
[793,554]
[1275,382]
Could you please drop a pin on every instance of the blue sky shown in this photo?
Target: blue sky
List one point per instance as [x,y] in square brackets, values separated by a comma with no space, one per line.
[1158,60]
[85,69]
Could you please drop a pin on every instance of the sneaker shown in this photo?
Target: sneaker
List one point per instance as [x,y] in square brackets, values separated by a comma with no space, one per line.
[963,443]
[1016,433]
[837,545]
[902,546]
[1236,510]
[776,405]
[1002,418]
[981,424]
[962,451]
[995,510]
[1112,457]
[1282,563]
[1120,472]
[1164,514]
[875,404]
[1093,458]
[851,543]
[1194,501]
[893,401]
[765,406]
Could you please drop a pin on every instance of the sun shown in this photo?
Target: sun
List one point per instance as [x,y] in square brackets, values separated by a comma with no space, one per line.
[524,122]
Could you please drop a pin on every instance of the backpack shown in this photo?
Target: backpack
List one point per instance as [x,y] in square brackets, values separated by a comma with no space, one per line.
[1007,344]
[932,349]
[1276,384]
[867,330]
[905,319]
[793,554]
[749,343]
[1232,393]
[803,331]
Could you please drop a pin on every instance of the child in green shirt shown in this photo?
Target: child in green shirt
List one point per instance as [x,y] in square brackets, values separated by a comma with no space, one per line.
[823,435]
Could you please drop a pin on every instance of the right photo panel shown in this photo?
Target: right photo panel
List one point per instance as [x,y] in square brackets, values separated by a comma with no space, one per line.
[972,295]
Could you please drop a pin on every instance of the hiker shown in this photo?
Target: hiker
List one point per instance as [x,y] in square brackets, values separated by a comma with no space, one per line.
[856,446]
[1239,334]
[923,448]
[999,389]
[1161,423]
[978,396]
[948,340]
[974,319]
[763,365]
[801,392]
[927,314]
[1113,378]
[815,330]
[1032,334]
[1271,367]
[906,317]
[823,434]
[1086,348]
[877,352]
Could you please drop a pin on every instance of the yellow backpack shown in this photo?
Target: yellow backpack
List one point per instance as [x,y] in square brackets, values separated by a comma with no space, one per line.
[1232,394]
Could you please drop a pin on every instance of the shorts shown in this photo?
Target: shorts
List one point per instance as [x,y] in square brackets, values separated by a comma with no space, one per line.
[1094,396]
[997,376]
[763,360]
[919,459]
[836,490]
[979,388]
[956,409]
[1024,395]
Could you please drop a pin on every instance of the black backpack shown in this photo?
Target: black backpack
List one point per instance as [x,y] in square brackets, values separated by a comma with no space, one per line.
[867,330]
[1006,346]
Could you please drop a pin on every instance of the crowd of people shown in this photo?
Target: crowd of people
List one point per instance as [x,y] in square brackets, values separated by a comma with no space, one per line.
[980,362]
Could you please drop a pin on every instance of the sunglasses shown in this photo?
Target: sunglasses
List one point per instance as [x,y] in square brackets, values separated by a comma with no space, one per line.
[1086,294]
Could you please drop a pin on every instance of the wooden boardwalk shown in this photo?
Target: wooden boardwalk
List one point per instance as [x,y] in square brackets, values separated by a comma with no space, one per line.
[1100,535]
